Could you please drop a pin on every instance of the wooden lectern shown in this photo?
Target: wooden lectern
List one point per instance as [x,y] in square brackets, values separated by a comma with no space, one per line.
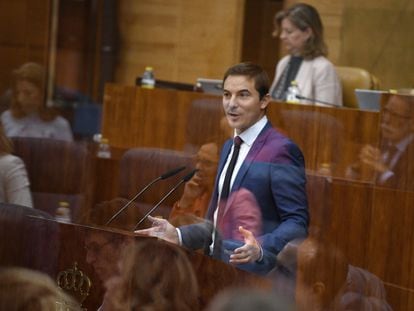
[64,252]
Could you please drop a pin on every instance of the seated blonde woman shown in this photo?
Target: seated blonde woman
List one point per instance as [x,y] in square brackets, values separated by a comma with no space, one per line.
[154,275]
[14,184]
[28,115]
[27,290]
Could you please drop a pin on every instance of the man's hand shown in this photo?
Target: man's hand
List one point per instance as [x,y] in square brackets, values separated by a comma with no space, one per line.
[192,190]
[249,252]
[372,157]
[162,229]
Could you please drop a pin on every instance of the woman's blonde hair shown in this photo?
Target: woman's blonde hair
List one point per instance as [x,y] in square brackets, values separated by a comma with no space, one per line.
[35,74]
[305,16]
[23,289]
[156,276]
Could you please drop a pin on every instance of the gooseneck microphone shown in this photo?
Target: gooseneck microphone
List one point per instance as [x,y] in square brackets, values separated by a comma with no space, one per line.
[163,176]
[315,101]
[183,180]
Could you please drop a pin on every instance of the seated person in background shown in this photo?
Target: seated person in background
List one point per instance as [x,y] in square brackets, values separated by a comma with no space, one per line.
[325,280]
[154,275]
[28,115]
[14,184]
[391,164]
[301,31]
[26,290]
[260,163]
[103,251]
[193,203]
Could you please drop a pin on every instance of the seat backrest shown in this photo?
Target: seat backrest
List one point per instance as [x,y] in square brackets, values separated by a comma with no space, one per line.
[141,165]
[57,170]
[26,242]
[203,124]
[355,78]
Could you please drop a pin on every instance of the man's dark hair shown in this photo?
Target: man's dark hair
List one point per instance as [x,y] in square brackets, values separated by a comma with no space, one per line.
[253,71]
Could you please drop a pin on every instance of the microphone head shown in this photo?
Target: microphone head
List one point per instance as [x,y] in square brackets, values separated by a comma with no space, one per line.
[172,172]
[189,175]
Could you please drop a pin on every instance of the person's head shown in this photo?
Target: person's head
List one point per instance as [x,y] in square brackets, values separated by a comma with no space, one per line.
[103,251]
[397,118]
[29,89]
[301,31]
[321,273]
[206,163]
[155,275]
[23,289]
[245,95]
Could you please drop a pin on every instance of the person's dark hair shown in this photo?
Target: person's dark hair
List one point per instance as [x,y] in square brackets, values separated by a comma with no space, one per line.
[305,16]
[253,71]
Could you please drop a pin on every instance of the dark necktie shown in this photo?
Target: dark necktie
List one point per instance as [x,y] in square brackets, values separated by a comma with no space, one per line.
[226,184]
[392,150]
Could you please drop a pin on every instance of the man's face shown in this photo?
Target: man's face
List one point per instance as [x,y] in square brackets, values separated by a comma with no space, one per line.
[103,254]
[397,121]
[241,102]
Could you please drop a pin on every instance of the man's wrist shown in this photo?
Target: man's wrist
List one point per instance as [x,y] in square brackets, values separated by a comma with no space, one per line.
[261,254]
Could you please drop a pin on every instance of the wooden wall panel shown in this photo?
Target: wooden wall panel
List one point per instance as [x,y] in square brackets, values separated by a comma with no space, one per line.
[181,39]
[259,46]
[136,117]
[377,35]
[24,35]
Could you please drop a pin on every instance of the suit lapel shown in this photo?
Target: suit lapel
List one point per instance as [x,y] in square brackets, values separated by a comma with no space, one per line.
[250,158]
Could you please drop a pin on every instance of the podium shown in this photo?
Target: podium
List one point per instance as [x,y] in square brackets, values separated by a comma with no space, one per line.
[58,247]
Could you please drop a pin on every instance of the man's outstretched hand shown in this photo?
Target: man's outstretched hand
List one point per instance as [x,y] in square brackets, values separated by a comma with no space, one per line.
[162,229]
[249,252]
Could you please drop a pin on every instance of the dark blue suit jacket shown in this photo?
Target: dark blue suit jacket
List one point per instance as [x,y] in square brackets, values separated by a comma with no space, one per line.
[274,172]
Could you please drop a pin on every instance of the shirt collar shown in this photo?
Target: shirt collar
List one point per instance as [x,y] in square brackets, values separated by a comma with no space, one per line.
[250,135]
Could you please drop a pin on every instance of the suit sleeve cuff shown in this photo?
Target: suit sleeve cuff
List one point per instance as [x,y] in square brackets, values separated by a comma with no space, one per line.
[180,238]
[261,255]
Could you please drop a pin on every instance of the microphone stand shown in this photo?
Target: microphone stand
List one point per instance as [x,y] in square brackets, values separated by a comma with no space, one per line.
[164,176]
[315,101]
[185,179]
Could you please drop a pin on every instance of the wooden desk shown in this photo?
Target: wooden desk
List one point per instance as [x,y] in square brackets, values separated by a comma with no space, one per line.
[69,247]
[136,117]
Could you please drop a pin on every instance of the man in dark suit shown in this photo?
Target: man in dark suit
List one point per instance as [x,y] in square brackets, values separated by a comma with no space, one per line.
[391,163]
[269,167]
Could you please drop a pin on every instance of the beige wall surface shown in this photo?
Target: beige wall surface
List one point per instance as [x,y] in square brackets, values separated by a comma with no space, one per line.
[378,36]
[181,39]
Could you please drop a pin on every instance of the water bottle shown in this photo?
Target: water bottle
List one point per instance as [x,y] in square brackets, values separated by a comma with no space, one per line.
[148,80]
[104,151]
[63,213]
[292,92]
